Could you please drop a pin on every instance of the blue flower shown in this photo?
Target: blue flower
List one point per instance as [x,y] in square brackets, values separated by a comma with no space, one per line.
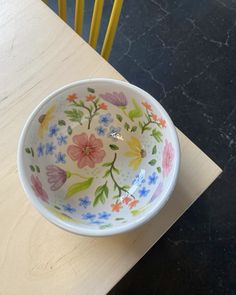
[152,179]
[105,119]
[143,192]
[68,208]
[40,149]
[96,222]
[139,178]
[114,133]
[50,148]
[84,202]
[103,215]
[60,158]
[88,216]
[53,129]
[101,131]
[62,139]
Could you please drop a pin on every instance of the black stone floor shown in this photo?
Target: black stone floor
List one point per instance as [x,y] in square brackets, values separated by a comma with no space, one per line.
[183,52]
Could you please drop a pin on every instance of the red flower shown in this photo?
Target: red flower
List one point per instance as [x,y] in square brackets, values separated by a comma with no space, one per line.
[90,97]
[72,97]
[103,106]
[147,105]
[116,207]
[86,151]
[126,200]
[133,204]
[162,122]
[38,188]
[154,117]
[56,177]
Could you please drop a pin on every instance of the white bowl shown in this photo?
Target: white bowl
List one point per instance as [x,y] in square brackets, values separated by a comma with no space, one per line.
[99,157]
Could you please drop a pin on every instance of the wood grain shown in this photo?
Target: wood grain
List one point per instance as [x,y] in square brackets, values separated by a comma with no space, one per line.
[38,54]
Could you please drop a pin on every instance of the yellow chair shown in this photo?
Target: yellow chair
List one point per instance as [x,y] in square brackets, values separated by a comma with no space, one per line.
[95,23]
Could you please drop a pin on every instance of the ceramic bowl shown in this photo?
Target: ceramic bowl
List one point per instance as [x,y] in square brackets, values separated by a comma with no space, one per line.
[99,157]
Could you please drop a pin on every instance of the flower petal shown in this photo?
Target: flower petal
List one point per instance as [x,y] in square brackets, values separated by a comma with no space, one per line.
[81,140]
[74,152]
[135,163]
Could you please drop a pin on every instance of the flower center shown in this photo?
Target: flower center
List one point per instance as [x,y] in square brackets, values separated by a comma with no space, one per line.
[87,150]
[41,118]
[143,153]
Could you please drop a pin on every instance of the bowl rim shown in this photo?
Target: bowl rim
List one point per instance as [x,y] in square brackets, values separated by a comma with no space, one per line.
[75,228]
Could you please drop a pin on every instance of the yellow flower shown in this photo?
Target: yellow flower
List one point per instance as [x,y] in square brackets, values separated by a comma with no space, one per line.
[44,120]
[136,152]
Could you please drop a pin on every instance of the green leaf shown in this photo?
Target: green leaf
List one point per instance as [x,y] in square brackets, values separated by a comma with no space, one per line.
[136,112]
[101,194]
[119,218]
[37,168]
[152,162]
[126,126]
[116,197]
[28,150]
[140,125]
[96,100]
[32,152]
[61,122]
[69,130]
[32,168]
[157,135]
[106,174]
[159,169]
[74,115]
[116,170]
[154,150]
[134,128]
[147,128]
[57,207]
[78,187]
[107,164]
[80,103]
[114,186]
[90,90]
[147,117]
[119,117]
[138,211]
[114,147]
[126,187]
[103,226]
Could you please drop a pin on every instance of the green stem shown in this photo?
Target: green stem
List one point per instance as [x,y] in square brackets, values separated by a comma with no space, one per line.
[77,174]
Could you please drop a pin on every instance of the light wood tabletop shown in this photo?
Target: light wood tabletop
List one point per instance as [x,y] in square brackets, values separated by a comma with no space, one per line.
[38,54]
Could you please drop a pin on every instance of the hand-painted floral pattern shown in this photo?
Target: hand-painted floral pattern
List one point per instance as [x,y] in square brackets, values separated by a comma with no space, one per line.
[103,161]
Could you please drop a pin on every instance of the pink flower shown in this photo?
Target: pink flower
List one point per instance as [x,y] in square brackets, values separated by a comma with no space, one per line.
[38,188]
[157,192]
[118,99]
[167,158]
[86,151]
[56,176]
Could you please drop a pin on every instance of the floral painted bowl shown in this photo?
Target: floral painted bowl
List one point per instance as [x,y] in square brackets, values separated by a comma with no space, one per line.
[99,157]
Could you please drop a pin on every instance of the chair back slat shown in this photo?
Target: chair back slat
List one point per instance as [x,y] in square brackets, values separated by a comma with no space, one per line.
[79,16]
[96,22]
[62,9]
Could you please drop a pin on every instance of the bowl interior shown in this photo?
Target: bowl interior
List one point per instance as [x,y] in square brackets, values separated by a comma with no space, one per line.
[98,155]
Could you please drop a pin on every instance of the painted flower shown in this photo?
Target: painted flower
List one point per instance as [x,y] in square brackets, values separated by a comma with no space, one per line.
[84,202]
[104,215]
[133,204]
[53,129]
[118,99]
[44,121]
[69,208]
[40,150]
[50,147]
[152,179]
[136,152]
[103,106]
[60,158]
[157,192]
[105,119]
[114,133]
[154,117]
[38,188]
[143,192]
[56,177]
[139,178]
[86,150]
[90,97]
[167,158]
[62,139]
[162,122]
[72,97]
[88,216]
[116,207]
[147,106]
[126,200]
[101,131]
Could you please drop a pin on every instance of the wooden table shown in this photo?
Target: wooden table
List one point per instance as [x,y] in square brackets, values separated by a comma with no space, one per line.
[38,54]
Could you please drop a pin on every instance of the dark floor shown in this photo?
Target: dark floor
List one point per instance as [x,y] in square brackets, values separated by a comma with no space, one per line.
[184,53]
